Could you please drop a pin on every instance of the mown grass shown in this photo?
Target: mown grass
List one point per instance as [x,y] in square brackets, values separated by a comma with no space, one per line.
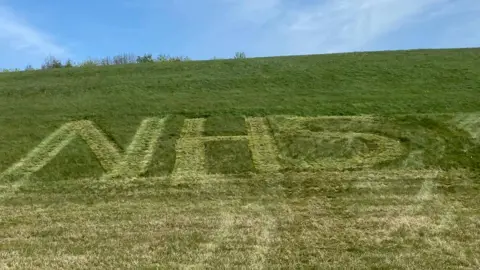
[415,207]
[291,221]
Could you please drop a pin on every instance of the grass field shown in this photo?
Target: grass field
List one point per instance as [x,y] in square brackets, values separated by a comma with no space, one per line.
[348,161]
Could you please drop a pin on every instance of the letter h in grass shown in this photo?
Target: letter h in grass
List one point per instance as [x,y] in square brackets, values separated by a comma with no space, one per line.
[190,148]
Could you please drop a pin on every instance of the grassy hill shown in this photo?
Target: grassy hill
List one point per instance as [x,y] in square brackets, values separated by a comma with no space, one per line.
[359,160]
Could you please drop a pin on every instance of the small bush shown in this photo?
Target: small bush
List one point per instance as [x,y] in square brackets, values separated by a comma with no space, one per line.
[184,58]
[68,64]
[89,63]
[126,58]
[147,58]
[168,58]
[51,62]
[240,55]
[106,61]
[29,67]
[162,58]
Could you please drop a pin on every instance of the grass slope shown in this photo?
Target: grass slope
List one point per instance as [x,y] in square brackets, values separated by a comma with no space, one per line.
[394,190]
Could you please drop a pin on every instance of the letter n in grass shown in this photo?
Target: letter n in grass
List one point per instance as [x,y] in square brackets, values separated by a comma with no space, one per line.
[131,163]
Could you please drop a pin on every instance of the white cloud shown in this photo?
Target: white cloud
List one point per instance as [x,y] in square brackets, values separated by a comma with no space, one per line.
[341,25]
[19,37]
[323,26]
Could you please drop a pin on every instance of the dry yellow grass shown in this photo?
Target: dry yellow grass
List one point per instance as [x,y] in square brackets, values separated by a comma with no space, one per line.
[327,220]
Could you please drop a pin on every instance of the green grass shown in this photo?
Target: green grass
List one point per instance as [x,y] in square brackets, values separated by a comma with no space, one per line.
[231,157]
[392,186]
[164,156]
[225,125]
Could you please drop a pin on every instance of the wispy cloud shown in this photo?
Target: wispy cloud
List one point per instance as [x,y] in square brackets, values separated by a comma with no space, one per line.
[18,37]
[348,25]
[323,26]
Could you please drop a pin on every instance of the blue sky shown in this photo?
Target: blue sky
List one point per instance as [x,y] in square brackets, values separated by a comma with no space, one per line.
[30,30]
